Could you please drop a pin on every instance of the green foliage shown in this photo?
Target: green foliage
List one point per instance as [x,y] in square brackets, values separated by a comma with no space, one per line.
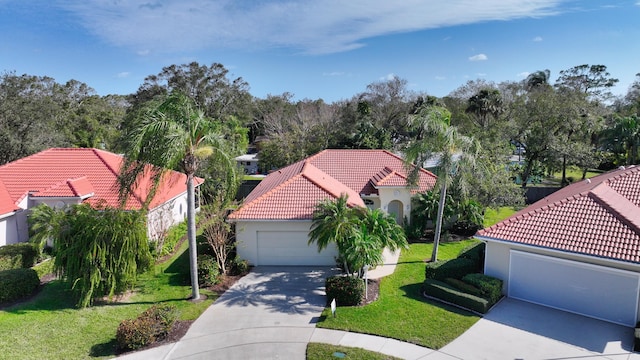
[490,287]
[208,270]
[174,235]
[45,267]
[347,290]
[99,252]
[16,284]
[476,253]
[448,293]
[152,325]
[16,256]
[463,286]
[454,268]
[239,267]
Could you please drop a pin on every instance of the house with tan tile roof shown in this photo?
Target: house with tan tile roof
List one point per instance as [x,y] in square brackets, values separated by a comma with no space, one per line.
[62,176]
[577,249]
[272,226]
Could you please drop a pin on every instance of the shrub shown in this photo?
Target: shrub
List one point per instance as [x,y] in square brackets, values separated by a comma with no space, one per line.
[490,287]
[454,268]
[636,338]
[208,270]
[239,266]
[476,253]
[16,284]
[463,286]
[152,325]
[347,290]
[448,293]
[16,256]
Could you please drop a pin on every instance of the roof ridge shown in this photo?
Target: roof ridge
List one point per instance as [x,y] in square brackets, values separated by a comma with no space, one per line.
[622,208]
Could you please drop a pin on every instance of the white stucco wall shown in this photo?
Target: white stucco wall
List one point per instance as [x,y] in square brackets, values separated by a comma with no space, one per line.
[389,194]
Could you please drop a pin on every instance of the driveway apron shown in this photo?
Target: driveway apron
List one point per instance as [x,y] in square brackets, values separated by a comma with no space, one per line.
[268,314]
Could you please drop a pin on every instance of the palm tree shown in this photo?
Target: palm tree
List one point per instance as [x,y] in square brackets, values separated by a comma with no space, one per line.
[624,137]
[454,152]
[487,102]
[538,79]
[333,222]
[175,135]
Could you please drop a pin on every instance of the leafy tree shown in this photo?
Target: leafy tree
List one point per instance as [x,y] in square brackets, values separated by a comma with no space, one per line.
[218,231]
[538,79]
[592,80]
[624,138]
[486,104]
[454,151]
[175,136]
[99,251]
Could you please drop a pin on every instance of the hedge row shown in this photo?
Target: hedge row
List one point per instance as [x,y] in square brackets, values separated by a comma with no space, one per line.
[16,284]
[476,253]
[152,325]
[16,256]
[448,293]
[454,268]
[347,290]
[490,287]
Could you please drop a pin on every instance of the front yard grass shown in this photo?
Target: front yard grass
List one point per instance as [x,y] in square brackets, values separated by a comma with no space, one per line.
[317,351]
[400,311]
[50,327]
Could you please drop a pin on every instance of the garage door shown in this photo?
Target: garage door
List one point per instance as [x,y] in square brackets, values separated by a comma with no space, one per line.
[595,291]
[290,248]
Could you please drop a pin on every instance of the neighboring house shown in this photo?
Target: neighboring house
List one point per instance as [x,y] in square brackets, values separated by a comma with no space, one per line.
[59,177]
[272,226]
[249,162]
[577,249]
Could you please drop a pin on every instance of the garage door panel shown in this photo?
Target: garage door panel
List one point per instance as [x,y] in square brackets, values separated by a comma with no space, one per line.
[290,248]
[595,291]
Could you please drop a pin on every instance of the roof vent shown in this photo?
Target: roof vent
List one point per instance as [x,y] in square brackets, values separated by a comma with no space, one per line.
[621,168]
[588,181]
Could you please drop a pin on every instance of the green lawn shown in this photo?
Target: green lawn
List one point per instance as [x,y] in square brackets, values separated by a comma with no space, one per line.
[494,216]
[316,351]
[401,312]
[50,327]
[572,172]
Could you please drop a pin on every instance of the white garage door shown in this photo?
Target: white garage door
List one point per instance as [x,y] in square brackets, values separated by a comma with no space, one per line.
[596,291]
[290,248]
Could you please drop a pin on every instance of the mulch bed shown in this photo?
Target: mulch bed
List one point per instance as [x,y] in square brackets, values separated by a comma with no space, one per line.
[373,290]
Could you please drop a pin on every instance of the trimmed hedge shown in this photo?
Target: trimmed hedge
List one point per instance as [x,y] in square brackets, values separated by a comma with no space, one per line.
[463,286]
[490,287]
[16,284]
[347,290]
[152,325]
[476,253]
[448,293]
[454,268]
[16,256]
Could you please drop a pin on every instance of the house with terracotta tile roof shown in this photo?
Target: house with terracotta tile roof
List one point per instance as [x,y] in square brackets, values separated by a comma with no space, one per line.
[272,226]
[62,176]
[577,249]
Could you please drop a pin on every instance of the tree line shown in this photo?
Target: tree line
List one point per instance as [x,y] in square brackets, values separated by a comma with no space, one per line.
[574,121]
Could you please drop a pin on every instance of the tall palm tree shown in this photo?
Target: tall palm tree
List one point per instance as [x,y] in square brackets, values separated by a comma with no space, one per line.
[453,150]
[487,102]
[176,135]
[624,137]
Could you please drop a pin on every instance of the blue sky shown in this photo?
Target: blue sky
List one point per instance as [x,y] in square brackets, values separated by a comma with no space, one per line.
[327,49]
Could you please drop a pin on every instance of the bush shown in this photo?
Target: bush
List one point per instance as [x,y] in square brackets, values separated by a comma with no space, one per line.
[347,290]
[476,253]
[152,325]
[454,268]
[490,287]
[208,270]
[463,286]
[16,256]
[239,266]
[16,284]
[448,293]
[636,338]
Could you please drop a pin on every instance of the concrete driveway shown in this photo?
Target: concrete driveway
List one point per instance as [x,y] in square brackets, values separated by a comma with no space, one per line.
[519,330]
[269,314]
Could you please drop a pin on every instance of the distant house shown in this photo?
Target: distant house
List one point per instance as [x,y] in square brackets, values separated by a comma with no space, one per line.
[249,162]
[272,226]
[63,176]
[577,250]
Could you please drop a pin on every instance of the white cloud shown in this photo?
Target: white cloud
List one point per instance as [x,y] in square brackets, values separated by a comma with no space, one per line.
[537,39]
[441,78]
[479,57]
[388,77]
[523,74]
[481,74]
[124,74]
[310,26]
[333,73]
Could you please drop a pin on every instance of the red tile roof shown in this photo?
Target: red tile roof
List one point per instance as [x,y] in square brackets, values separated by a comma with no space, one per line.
[78,172]
[598,217]
[292,192]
